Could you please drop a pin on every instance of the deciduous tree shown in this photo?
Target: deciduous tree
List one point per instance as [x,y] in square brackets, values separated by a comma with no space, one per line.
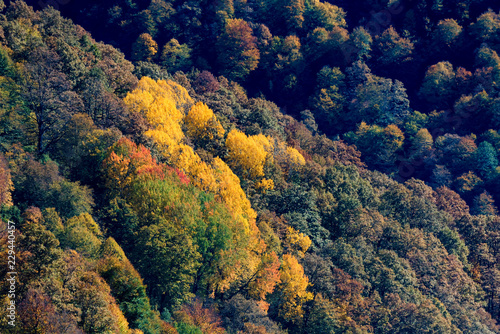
[238,54]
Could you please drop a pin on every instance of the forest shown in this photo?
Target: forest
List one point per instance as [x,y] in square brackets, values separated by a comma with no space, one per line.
[249,167]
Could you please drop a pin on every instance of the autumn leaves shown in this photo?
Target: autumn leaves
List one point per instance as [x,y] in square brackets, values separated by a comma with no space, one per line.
[203,228]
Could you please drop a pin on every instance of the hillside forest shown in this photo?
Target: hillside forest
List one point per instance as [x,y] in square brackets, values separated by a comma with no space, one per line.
[249,167]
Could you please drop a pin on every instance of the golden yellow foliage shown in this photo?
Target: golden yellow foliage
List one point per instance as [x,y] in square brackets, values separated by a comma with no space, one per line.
[121,321]
[264,185]
[164,103]
[293,288]
[202,124]
[298,242]
[6,184]
[157,101]
[288,158]
[136,331]
[264,141]
[230,190]
[247,154]
[294,157]
[144,48]
[395,135]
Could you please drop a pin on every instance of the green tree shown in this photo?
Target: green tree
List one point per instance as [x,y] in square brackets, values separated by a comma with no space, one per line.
[48,95]
[446,34]
[485,160]
[176,57]
[324,15]
[379,145]
[328,102]
[391,48]
[486,28]
[361,43]
[165,245]
[83,235]
[439,87]
[128,289]
[380,101]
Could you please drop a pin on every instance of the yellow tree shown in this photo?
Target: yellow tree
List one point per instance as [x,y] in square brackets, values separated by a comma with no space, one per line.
[6,185]
[144,48]
[247,155]
[202,125]
[296,242]
[164,105]
[293,288]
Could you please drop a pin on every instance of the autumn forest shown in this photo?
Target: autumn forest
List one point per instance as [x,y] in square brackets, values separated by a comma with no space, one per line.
[249,167]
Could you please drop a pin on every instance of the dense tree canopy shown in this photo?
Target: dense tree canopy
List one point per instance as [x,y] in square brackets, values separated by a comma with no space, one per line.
[249,167]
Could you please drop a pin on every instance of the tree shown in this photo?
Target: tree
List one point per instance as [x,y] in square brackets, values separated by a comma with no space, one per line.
[380,101]
[122,220]
[247,155]
[144,48]
[467,183]
[206,319]
[206,83]
[421,144]
[486,160]
[294,14]
[378,144]
[486,28]
[361,42]
[203,126]
[6,185]
[426,316]
[83,235]
[239,313]
[391,48]
[37,313]
[47,94]
[456,152]
[484,205]
[450,201]
[37,248]
[445,34]
[15,122]
[438,87]
[91,296]
[328,102]
[176,57]
[166,245]
[324,15]
[292,290]
[128,289]
[237,51]
[117,69]
[71,198]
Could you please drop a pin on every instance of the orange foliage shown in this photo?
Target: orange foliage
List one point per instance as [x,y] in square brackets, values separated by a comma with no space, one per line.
[164,105]
[205,319]
[266,278]
[127,162]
